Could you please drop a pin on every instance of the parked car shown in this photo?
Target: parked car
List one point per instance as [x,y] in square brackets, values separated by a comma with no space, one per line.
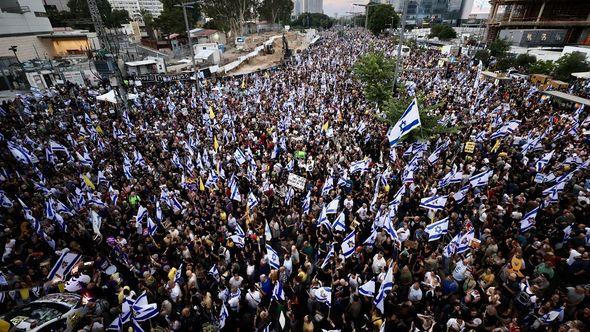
[53,312]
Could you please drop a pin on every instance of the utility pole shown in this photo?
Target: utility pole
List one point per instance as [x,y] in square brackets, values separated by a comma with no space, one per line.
[184,6]
[398,61]
[366,11]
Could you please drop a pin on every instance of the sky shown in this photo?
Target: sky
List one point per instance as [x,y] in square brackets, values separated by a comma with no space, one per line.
[331,7]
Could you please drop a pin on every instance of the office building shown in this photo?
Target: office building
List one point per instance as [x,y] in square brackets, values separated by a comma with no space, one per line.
[134,7]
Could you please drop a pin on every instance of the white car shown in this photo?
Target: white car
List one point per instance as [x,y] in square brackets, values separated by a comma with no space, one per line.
[53,312]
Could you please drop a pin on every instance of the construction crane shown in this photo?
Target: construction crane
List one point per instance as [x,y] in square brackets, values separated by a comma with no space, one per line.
[106,52]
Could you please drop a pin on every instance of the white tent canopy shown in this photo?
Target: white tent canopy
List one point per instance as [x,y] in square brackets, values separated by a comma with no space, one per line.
[111,98]
[583,75]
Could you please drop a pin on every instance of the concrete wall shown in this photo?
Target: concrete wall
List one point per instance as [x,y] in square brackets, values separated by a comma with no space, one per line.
[26,23]
[29,47]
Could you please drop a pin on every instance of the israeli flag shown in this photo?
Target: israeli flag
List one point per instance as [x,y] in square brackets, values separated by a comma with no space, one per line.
[252,201]
[235,193]
[64,265]
[239,156]
[481,179]
[463,244]
[333,206]
[542,162]
[214,272]
[506,129]
[385,288]
[437,229]
[408,121]
[127,168]
[306,206]
[223,315]
[289,196]
[434,202]
[141,214]
[4,200]
[323,219]
[339,224]
[328,185]
[273,257]
[324,295]
[328,256]
[21,154]
[552,315]
[152,226]
[371,239]
[359,166]
[238,240]
[348,244]
[267,232]
[528,221]
[460,195]
[368,288]
[388,226]
[277,292]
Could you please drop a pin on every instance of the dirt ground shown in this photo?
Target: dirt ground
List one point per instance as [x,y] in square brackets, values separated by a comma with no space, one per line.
[295,40]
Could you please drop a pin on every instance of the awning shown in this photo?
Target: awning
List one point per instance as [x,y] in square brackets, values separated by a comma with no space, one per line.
[494,75]
[568,97]
[582,75]
[204,54]
[111,98]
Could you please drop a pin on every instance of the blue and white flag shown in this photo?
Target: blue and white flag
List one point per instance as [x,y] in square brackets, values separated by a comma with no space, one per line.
[384,289]
[434,202]
[223,315]
[388,226]
[267,232]
[239,156]
[21,154]
[141,214]
[339,224]
[289,196]
[252,201]
[235,193]
[151,226]
[463,244]
[277,293]
[332,207]
[323,219]
[359,166]
[460,195]
[64,265]
[348,244]
[323,295]
[528,221]
[273,257]
[4,200]
[368,288]
[542,162]
[306,205]
[328,185]
[214,272]
[506,129]
[481,179]
[408,121]
[552,315]
[329,256]
[437,229]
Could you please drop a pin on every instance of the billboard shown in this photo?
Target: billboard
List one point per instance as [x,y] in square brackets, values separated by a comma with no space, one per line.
[481,7]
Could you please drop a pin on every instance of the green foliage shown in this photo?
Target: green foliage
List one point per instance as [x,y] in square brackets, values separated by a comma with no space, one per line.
[375,71]
[274,11]
[483,56]
[359,20]
[171,20]
[313,20]
[381,16]
[442,31]
[499,47]
[525,60]
[216,25]
[233,13]
[395,107]
[505,63]
[570,63]
[542,67]
[79,11]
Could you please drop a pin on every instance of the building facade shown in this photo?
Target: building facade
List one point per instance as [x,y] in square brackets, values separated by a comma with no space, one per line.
[308,6]
[571,15]
[134,7]
[59,5]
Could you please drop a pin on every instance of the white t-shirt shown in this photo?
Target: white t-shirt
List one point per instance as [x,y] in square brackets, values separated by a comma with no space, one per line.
[253,298]
[378,264]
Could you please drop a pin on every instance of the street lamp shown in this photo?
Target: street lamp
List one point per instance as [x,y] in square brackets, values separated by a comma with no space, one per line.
[13,48]
[184,6]
[366,11]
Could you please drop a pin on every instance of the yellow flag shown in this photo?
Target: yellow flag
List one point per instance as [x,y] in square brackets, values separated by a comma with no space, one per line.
[172,274]
[215,143]
[247,216]
[243,84]
[496,146]
[99,130]
[61,286]
[24,293]
[211,114]
[88,182]
[325,126]
[201,185]
[339,116]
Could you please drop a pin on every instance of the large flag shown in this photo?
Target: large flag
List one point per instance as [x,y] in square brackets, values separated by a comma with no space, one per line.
[151,226]
[252,200]
[328,256]
[463,244]
[542,162]
[223,314]
[434,202]
[339,224]
[64,265]
[324,295]
[437,229]
[328,185]
[460,195]
[273,257]
[348,244]
[21,154]
[481,179]
[277,292]
[333,206]
[408,121]
[267,232]
[385,287]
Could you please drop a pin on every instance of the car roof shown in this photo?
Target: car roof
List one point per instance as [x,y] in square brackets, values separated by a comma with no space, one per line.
[68,299]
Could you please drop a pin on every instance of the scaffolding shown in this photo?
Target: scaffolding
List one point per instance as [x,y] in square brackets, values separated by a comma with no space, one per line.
[573,15]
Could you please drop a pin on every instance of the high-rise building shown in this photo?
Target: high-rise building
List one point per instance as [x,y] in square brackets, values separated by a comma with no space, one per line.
[308,6]
[59,5]
[134,7]
[21,21]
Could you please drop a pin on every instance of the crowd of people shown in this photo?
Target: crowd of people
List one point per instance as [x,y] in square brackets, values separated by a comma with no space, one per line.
[186,202]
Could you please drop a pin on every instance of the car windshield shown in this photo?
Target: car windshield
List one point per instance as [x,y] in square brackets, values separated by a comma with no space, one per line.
[41,312]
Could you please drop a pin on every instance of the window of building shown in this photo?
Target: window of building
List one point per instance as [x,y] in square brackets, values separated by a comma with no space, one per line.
[41,14]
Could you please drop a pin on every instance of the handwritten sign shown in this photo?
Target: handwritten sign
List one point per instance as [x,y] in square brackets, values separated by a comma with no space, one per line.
[296,181]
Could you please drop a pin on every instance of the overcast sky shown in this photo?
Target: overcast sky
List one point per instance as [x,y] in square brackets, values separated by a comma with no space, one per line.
[331,7]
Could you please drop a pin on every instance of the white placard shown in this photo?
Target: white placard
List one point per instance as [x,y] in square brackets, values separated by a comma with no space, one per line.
[296,181]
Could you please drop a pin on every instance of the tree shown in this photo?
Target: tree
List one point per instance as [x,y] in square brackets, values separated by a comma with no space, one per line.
[394,108]
[570,63]
[442,31]
[380,17]
[313,20]
[499,47]
[274,11]
[505,63]
[111,18]
[171,20]
[233,12]
[483,56]
[375,71]
[541,67]
[525,60]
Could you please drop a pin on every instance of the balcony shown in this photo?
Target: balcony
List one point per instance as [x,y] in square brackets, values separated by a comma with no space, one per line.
[16,9]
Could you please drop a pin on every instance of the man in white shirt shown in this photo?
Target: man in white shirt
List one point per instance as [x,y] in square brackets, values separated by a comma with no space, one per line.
[362,212]
[348,203]
[379,263]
